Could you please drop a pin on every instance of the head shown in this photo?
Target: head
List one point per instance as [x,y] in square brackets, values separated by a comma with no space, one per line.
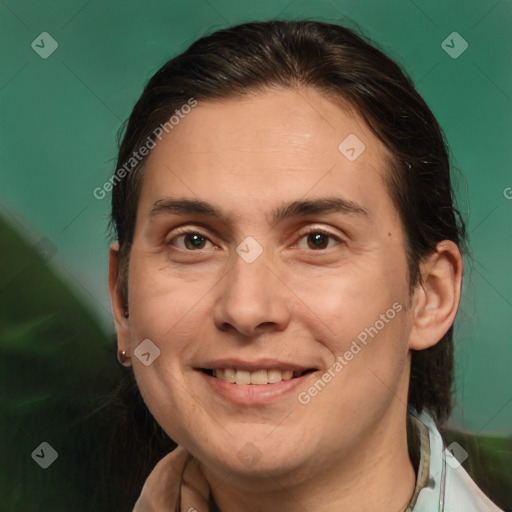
[314,144]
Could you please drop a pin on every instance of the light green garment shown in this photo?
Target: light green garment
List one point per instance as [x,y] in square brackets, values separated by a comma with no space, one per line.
[442,484]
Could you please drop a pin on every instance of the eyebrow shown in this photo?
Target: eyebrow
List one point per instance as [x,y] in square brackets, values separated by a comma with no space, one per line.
[316,206]
[299,208]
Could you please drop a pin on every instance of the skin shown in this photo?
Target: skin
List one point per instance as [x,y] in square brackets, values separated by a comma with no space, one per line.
[346,449]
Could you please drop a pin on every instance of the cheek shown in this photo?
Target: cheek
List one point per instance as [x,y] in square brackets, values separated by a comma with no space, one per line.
[368,354]
[172,317]
[163,305]
[171,314]
[349,300]
[174,406]
[361,317]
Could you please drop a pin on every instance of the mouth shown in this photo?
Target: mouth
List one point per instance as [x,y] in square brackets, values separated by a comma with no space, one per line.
[259,377]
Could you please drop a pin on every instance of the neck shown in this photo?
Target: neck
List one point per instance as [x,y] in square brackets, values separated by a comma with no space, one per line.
[377,474]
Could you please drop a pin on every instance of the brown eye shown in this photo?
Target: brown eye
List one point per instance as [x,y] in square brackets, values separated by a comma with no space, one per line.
[190,241]
[318,240]
[194,241]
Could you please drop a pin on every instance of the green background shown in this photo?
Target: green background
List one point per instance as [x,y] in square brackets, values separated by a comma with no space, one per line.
[60,117]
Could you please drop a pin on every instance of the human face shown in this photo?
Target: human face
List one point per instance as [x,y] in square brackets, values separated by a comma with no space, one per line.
[269,167]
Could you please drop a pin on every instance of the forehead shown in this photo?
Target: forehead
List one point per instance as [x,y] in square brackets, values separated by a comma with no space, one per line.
[269,147]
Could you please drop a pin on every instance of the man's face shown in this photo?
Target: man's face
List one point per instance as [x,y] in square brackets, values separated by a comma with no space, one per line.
[302,265]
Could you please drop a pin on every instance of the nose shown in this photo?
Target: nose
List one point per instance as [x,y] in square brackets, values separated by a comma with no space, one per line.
[253,299]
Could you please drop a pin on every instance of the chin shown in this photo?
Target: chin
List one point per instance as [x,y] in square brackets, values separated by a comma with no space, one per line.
[255,456]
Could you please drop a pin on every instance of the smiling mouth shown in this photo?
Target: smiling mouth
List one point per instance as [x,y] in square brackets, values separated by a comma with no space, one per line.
[258,377]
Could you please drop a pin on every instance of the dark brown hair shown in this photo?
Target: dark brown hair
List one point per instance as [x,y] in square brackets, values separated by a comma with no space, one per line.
[332,59]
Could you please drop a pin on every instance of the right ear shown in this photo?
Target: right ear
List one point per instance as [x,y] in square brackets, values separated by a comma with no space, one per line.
[118,302]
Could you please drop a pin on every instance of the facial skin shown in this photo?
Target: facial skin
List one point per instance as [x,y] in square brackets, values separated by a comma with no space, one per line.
[295,304]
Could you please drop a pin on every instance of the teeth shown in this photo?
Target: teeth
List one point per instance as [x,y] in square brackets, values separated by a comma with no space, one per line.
[243,377]
[230,375]
[259,377]
[274,376]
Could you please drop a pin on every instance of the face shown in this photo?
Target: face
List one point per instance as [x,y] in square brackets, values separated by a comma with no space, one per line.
[265,252]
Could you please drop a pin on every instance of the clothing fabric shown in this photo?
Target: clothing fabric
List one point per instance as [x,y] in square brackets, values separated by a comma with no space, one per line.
[177,483]
[448,487]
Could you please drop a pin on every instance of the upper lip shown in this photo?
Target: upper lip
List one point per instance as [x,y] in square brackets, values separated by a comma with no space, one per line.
[252,366]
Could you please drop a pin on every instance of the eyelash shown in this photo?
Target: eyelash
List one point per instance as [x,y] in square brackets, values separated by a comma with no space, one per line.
[303,235]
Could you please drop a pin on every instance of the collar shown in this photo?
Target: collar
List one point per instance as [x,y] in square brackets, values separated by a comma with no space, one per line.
[177,480]
[420,434]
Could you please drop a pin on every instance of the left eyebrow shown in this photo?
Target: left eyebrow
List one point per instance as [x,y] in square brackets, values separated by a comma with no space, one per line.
[316,206]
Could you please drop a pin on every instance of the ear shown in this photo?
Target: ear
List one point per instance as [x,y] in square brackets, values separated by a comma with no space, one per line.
[118,304]
[437,296]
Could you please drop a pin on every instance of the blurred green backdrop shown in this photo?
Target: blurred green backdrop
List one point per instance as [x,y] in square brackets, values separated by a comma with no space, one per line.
[60,115]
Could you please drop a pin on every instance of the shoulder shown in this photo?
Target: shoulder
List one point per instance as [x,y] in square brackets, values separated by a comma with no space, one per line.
[449,488]
[461,493]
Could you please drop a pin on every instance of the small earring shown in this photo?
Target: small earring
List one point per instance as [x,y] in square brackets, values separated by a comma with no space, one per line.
[121,357]
[126,314]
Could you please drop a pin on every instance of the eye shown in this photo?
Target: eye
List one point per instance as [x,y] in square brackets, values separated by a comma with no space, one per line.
[318,240]
[190,241]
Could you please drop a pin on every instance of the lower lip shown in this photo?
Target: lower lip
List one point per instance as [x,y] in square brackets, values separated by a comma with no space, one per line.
[254,394]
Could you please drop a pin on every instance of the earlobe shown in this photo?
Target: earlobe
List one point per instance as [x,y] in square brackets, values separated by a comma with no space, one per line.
[119,307]
[123,358]
[437,295]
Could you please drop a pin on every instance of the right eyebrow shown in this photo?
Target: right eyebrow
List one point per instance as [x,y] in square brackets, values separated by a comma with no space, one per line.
[185,207]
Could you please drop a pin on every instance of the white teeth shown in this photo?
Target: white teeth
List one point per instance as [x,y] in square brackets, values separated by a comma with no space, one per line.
[243,377]
[274,376]
[230,375]
[259,377]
